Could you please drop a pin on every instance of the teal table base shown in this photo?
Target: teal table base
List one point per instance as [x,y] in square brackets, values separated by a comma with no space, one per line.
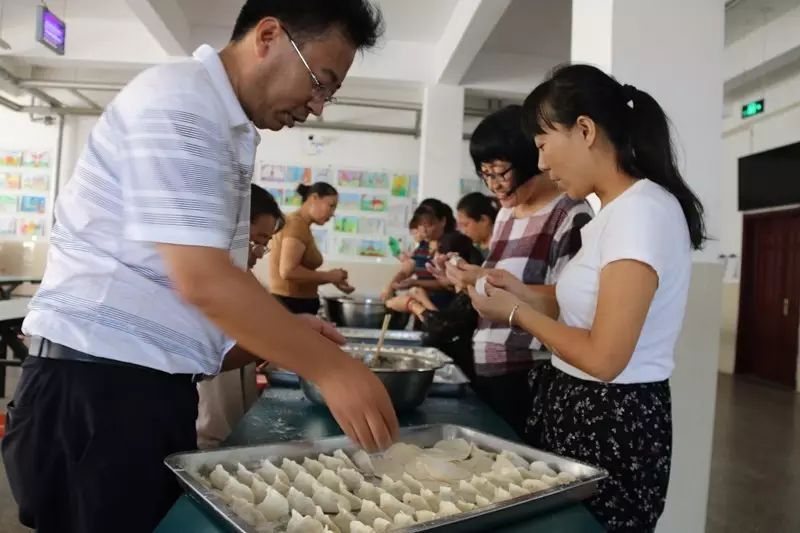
[284,414]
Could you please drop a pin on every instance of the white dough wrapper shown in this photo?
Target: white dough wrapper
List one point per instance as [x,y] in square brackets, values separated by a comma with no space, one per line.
[370,511]
[259,488]
[304,482]
[343,520]
[352,478]
[403,520]
[235,488]
[301,503]
[425,516]
[271,473]
[447,509]
[342,456]
[299,523]
[219,477]
[331,463]
[244,475]
[363,462]
[515,459]
[247,511]
[291,468]
[391,505]
[360,527]
[313,466]
[330,479]
[381,525]
[417,502]
[274,506]
[540,468]
[329,501]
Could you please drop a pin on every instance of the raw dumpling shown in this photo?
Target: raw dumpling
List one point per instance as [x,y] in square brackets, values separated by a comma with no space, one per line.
[326,521]
[281,487]
[534,485]
[247,512]
[516,491]
[483,486]
[370,511]
[565,478]
[447,509]
[303,524]
[355,501]
[425,516]
[395,488]
[499,480]
[501,495]
[352,478]
[368,491]
[331,462]
[412,484]
[540,468]
[244,475]
[515,459]
[313,466]
[466,491]
[456,449]
[403,520]
[291,468]
[300,502]
[381,525]
[259,489]
[359,527]
[339,454]
[330,479]
[304,482]
[219,477]
[480,501]
[270,473]
[431,498]
[446,494]
[343,519]
[363,462]
[234,488]
[391,505]
[275,506]
[550,481]
[416,501]
[329,500]
[465,506]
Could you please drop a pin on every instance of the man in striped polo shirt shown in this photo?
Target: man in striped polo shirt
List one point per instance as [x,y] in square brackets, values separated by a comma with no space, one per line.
[146,286]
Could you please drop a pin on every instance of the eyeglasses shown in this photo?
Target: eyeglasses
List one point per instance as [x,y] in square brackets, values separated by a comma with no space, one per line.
[319,91]
[500,177]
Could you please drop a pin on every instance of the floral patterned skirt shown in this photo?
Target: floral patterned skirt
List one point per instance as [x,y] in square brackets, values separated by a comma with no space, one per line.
[625,429]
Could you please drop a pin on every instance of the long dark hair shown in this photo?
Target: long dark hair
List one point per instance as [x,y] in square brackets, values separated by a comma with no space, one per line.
[476,205]
[441,210]
[500,137]
[263,203]
[320,188]
[632,120]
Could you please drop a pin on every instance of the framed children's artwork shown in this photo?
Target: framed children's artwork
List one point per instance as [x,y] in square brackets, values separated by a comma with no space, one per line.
[348,246]
[298,175]
[8,205]
[30,228]
[372,225]
[325,174]
[270,172]
[346,224]
[349,201]
[400,185]
[35,182]
[375,180]
[33,159]
[370,248]
[276,193]
[350,178]
[32,204]
[377,204]
[10,158]
[8,226]
[292,198]
[10,180]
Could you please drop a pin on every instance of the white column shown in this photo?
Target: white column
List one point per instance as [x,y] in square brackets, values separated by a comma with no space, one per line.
[440,152]
[673,50]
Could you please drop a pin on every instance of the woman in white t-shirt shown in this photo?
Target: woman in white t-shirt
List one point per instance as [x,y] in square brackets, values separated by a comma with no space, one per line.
[605,398]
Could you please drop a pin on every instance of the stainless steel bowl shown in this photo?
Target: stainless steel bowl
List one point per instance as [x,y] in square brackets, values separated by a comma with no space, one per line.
[407,378]
[361,312]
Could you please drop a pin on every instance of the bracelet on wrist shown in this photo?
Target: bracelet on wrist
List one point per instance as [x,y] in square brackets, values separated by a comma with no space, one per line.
[512,315]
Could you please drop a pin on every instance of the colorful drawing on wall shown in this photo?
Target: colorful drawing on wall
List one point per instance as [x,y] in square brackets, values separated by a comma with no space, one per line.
[347,247]
[33,159]
[373,203]
[8,226]
[8,205]
[32,204]
[468,185]
[30,228]
[372,225]
[349,201]
[397,217]
[413,186]
[375,180]
[36,182]
[321,238]
[346,224]
[10,180]
[10,158]
[400,185]
[276,193]
[325,174]
[292,198]
[350,178]
[298,175]
[369,248]
[270,172]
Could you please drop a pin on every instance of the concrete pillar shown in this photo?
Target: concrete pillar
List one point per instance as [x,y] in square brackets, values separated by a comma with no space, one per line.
[441,143]
[673,50]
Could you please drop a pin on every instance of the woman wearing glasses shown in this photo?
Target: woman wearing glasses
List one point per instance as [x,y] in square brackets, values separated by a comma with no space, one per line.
[536,232]
[294,275]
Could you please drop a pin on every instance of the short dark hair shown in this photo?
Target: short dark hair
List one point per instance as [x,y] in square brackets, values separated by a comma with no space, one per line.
[360,21]
[263,203]
[320,188]
[476,205]
[500,136]
[462,245]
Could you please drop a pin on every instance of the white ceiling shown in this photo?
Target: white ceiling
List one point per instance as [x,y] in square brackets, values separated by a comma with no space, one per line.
[745,16]
[534,27]
[416,20]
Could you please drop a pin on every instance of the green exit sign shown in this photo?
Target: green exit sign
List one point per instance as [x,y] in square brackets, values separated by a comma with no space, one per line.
[752,109]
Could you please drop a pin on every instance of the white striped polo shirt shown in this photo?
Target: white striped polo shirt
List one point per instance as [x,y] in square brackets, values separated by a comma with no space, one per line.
[169,161]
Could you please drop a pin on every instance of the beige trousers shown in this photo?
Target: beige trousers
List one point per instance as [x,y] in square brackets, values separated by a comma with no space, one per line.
[224,399]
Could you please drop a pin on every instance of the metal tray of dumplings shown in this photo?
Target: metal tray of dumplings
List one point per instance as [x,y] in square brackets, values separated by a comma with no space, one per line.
[483,519]
[371,336]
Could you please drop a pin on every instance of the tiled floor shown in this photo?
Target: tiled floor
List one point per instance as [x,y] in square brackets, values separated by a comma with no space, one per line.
[755,471]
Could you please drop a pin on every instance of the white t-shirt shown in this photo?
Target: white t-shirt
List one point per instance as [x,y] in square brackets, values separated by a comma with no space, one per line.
[646,224]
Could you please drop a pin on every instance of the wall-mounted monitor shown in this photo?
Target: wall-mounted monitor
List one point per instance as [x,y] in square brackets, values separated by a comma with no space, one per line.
[51,31]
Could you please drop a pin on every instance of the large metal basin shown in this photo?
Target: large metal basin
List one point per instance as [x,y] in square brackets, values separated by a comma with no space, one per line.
[361,312]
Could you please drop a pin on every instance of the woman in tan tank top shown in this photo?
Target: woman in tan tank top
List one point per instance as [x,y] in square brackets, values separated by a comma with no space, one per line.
[294,258]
